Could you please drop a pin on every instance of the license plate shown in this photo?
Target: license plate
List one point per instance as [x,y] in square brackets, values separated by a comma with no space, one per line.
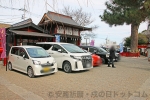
[88,65]
[46,69]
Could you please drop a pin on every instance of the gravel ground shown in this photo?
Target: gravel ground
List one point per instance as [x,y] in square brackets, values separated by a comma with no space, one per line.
[99,83]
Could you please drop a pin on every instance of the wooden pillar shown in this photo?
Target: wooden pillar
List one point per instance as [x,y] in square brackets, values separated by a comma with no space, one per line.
[54,39]
[78,42]
[15,40]
[55,31]
[38,39]
[79,39]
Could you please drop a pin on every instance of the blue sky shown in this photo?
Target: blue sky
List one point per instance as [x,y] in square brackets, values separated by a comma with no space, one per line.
[37,8]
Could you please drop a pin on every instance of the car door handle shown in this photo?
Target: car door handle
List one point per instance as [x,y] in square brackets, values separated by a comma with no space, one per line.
[51,53]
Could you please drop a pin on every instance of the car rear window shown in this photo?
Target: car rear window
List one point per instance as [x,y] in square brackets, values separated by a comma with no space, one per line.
[14,50]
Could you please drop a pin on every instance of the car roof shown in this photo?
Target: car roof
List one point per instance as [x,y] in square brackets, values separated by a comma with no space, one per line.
[52,43]
[27,46]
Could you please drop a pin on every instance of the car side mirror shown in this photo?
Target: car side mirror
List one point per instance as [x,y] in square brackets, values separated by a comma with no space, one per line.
[24,56]
[59,50]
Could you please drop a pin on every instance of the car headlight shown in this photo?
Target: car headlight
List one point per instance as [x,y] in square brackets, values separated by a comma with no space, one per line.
[75,57]
[107,55]
[35,62]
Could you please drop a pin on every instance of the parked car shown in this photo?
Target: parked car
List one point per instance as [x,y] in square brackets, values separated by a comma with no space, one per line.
[97,61]
[31,60]
[117,55]
[69,57]
[98,51]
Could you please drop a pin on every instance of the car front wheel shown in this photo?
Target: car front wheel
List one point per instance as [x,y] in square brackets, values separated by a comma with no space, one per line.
[67,67]
[30,72]
[103,60]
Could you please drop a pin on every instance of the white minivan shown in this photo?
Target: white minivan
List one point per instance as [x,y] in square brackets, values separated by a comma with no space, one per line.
[69,57]
[32,60]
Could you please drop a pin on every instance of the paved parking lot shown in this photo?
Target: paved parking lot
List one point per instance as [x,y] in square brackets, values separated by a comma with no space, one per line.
[131,76]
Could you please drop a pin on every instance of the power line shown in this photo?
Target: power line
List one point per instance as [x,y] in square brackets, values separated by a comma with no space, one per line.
[21,9]
[9,15]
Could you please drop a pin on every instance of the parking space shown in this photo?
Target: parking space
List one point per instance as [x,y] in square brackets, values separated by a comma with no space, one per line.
[99,83]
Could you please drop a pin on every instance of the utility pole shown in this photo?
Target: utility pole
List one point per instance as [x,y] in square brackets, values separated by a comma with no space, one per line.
[46,6]
[24,9]
[54,4]
[86,40]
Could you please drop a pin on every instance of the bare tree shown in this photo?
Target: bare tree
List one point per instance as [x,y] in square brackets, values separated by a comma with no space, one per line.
[79,16]
[82,18]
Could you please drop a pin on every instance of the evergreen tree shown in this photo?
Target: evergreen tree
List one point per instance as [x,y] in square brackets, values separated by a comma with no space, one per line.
[142,40]
[131,12]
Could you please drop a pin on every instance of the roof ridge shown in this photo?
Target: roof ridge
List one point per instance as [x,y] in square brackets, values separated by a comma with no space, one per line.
[22,22]
[59,14]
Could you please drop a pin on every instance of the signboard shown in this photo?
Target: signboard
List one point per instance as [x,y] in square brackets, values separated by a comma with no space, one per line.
[121,47]
[68,30]
[60,30]
[57,38]
[25,40]
[30,41]
[35,41]
[3,42]
[92,43]
[75,32]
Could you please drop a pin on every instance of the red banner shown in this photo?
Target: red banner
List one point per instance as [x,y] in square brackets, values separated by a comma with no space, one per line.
[3,42]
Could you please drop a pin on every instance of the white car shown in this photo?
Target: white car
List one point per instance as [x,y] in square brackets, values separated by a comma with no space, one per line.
[32,60]
[69,57]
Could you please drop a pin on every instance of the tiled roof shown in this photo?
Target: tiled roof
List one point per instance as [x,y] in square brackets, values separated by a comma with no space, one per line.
[26,33]
[61,18]
[22,22]
[25,24]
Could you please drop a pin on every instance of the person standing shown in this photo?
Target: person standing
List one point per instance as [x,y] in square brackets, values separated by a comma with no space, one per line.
[111,56]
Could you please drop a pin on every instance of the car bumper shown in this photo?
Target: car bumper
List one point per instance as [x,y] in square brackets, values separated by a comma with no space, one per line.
[38,70]
[79,66]
[97,63]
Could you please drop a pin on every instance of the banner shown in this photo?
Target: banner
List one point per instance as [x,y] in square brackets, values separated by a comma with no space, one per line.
[3,42]
[121,47]
[92,43]
[57,38]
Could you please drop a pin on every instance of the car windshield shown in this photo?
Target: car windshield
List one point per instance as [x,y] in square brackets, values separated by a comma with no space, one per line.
[101,49]
[37,53]
[73,48]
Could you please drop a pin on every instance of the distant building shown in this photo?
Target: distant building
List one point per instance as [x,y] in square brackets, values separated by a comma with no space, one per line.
[4,25]
[109,43]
